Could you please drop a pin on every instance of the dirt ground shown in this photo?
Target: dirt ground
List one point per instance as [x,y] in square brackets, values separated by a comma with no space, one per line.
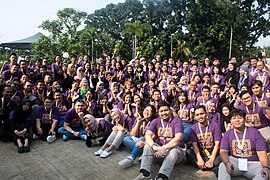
[73,160]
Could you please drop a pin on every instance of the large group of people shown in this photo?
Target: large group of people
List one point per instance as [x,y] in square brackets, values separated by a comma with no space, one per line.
[213,116]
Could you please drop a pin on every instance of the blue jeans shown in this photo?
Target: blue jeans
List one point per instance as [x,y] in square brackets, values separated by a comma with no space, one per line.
[131,144]
[62,131]
[187,127]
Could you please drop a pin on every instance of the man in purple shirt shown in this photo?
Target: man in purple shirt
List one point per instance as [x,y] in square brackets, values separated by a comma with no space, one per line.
[243,151]
[164,139]
[257,114]
[205,137]
[258,93]
[73,123]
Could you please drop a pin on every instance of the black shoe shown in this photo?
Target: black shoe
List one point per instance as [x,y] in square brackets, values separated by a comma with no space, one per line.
[20,149]
[26,149]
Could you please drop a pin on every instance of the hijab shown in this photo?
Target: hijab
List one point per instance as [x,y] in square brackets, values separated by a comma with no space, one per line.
[92,120]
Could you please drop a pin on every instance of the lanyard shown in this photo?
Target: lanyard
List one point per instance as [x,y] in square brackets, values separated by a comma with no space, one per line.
[50,115]
[143,127]
[205,134]
[181,109]
[261,77]
[252,114]
[257,100]
[3,103]
[164,133]
[58,104]
[240,145]
[216,78]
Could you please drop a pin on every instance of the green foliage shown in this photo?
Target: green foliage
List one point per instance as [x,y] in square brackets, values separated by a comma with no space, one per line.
[149,27]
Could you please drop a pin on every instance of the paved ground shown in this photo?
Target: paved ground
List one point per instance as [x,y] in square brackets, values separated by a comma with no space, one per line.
[73,160]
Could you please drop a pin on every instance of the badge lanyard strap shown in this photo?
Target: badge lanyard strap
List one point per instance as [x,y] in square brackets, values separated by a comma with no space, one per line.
[205,134]
[143,127]
[240,145]
[261,77]
[252,115]
[165,133]
[261,98]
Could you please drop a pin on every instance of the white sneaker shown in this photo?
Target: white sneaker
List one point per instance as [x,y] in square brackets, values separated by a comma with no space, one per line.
[127,162]
[51,138]
[99,152]
[106,154]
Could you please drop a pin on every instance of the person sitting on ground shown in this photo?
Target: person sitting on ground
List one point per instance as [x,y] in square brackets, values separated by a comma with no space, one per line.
[122,125]
[73,123]
[243,151]
[135,141]
[47,117]
[97,130]
[20,123]
[163,139]
[7,105]
[205,137]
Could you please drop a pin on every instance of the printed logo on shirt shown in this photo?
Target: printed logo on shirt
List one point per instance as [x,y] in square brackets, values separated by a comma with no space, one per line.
[76,123]
[62,109]
[207,143]
[246,152]
[46,119]
[253,120]
[163,135]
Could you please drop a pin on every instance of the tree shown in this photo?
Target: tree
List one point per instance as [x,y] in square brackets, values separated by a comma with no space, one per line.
[136,29]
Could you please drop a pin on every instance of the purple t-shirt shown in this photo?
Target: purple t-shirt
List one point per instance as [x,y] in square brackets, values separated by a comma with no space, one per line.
[104,128]
[47,116]
[253,142]
[73,119]
[165,134]
[63,106]
[126,122]
[255,117]
[213,134]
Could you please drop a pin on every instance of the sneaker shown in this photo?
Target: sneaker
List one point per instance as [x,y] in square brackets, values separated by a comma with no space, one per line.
[106,154]
[51,138]
[141,176]
[26,149]
[65,138]
[127,162]
[20,149]
[83,137]
[99,152]
[160,177]
[35,137]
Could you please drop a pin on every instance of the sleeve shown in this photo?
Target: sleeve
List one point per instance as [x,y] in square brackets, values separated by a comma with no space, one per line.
[12,123]
[225,144]
[68,117]
[130,123]
[259,141]
[193,135]
[39,112]
[217,136]
[178,126]
[153,126]
[56,114]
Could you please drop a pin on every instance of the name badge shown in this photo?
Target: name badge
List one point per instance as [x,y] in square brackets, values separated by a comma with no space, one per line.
[242,164]
[206,153]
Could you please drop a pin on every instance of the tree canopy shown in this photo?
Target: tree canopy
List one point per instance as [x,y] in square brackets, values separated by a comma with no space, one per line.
[181,28]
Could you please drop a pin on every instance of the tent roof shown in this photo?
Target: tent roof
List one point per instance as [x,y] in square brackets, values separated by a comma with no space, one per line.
[23,43]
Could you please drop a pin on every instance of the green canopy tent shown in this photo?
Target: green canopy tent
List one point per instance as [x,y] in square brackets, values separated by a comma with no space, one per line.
[24,44]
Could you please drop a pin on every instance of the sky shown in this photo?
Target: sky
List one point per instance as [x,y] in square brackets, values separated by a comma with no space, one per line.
[21,18]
